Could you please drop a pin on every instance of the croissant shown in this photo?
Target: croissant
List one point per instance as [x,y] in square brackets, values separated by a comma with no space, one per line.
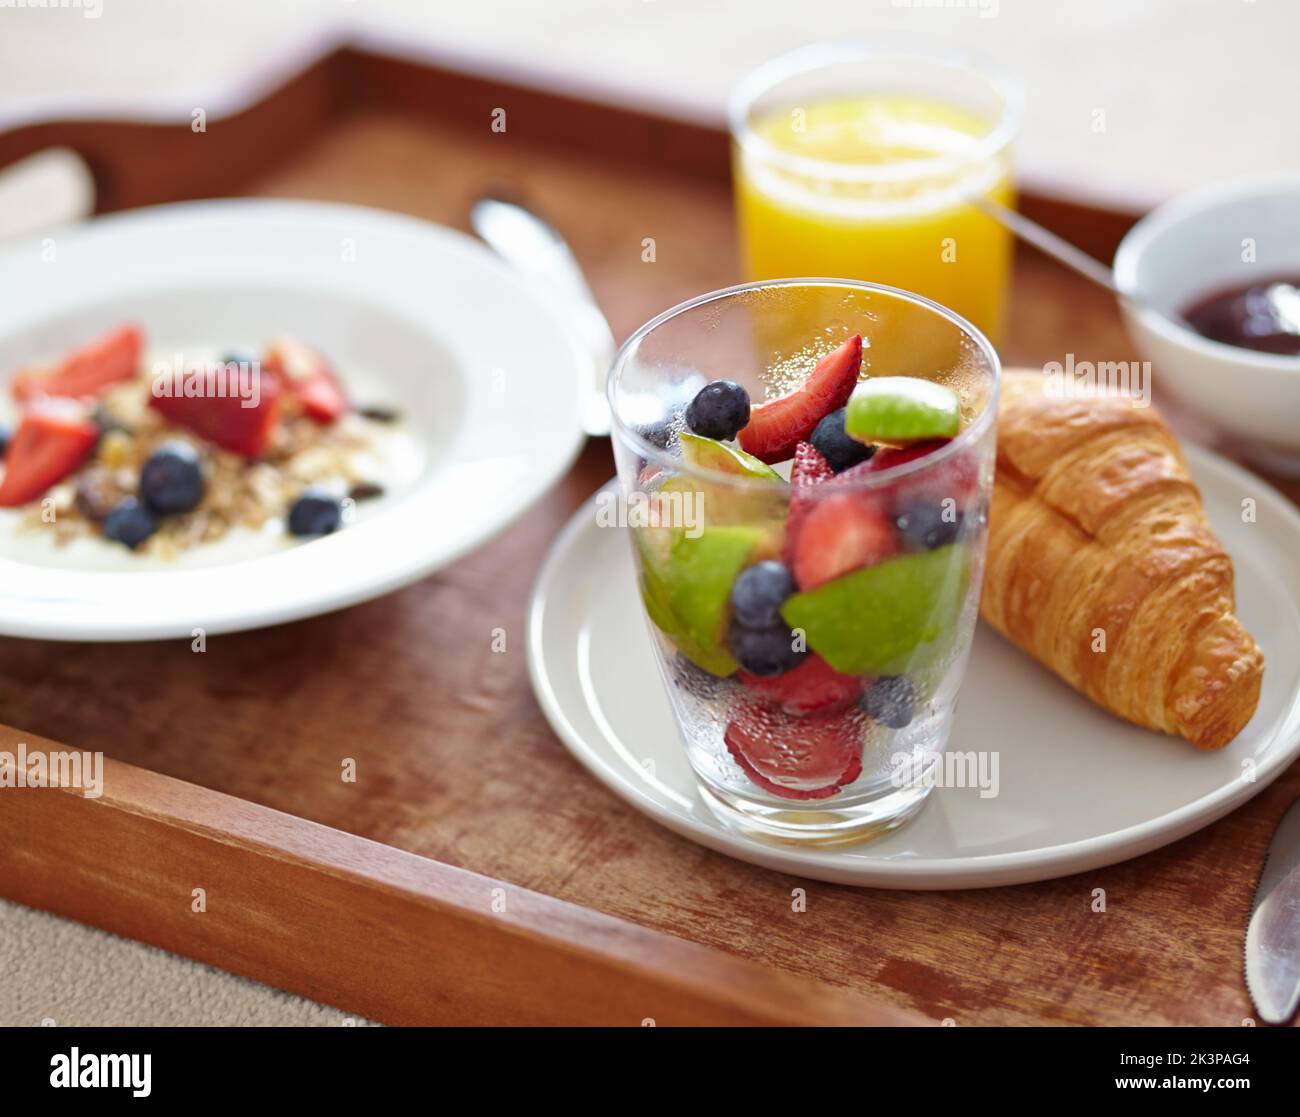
[1102,566]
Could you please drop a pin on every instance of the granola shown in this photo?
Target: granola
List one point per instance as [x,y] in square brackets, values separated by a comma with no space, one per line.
[310,441]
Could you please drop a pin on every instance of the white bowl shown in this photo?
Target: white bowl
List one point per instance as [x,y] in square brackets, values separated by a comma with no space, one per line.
[1194,246]
[484,372]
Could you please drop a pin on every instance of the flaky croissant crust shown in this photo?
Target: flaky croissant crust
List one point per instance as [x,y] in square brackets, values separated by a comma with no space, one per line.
[1103,567]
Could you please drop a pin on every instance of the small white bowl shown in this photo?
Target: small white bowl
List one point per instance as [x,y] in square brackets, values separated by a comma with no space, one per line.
[1196,245]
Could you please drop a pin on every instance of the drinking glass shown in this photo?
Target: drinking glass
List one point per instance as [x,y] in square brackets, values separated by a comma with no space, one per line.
[863,158]
[844,745]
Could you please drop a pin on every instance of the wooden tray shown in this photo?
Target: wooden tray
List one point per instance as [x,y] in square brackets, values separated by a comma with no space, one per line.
[474,873]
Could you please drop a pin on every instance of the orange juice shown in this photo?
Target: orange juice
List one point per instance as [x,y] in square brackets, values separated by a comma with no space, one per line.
[876,187]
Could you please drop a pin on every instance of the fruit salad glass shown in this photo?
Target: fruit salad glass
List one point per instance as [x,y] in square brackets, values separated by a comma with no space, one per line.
[811,590]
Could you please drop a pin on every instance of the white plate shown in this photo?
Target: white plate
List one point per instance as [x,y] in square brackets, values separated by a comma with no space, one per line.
[1078,788]
[413,314]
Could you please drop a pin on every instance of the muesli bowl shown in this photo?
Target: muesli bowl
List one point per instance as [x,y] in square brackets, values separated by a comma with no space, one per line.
[460,422]
[805,467]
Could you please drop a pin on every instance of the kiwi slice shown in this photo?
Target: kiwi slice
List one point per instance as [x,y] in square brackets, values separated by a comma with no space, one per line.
[887,618]
[897,410]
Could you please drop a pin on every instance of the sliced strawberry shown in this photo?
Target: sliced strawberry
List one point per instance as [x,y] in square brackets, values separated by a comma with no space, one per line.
[87,371]
[809,469]
[775,428]
[308,375]
[841,534]
[958,477]
[50,443]
[887,457]
[812,687]
[223,419]
[795,757]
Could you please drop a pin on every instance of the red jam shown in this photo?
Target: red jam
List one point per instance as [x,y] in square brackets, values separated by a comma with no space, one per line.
[1264,316]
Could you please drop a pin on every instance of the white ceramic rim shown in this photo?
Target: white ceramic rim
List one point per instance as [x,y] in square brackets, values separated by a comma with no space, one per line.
[1163,219]
[979,871]
[379,555]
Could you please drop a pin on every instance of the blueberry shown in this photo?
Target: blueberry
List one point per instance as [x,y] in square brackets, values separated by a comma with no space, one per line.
[129,523]
[657,434]
[315,513]
[890,700]
[171,480]
[719,410]
[926,525]
[5,435]
[839,449]
[238,357]
[765,651]
[759,593]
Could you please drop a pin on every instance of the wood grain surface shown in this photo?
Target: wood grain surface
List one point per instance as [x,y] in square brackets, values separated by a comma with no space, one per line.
[361,925]
[455,761]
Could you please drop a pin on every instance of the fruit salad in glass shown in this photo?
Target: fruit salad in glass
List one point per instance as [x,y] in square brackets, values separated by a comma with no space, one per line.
[805,467]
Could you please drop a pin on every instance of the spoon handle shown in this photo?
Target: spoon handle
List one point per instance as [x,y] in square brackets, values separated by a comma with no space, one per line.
[536,249]
[1049,242]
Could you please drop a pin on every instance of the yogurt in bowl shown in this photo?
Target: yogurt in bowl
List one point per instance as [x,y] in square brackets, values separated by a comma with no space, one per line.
[191,455]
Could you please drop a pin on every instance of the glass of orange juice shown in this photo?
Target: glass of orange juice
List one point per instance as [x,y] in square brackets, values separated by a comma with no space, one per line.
[862,160]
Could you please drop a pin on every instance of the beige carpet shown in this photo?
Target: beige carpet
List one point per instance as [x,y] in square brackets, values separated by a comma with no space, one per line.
[58,973]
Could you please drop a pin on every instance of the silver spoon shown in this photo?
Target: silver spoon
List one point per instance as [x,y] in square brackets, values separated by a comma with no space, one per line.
[1046,241]
[536,249]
